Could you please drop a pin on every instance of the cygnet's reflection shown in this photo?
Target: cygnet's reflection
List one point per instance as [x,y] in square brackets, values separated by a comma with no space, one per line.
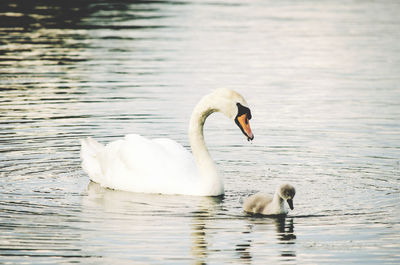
[285,230]
[285,234]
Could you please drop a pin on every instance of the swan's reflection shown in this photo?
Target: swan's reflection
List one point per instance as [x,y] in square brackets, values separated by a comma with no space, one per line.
[131,212]
[206,210]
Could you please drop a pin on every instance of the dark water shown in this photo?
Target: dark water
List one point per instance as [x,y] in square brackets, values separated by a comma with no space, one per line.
[322,79]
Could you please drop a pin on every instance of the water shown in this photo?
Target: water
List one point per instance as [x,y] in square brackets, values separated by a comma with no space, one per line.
[322,80]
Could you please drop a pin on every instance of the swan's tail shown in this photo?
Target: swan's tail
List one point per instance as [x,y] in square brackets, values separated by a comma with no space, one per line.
[90,154]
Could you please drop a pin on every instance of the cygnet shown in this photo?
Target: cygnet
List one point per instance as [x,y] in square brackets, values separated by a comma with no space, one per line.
[266,204]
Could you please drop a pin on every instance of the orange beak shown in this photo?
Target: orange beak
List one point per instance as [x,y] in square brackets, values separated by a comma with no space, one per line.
[244,125]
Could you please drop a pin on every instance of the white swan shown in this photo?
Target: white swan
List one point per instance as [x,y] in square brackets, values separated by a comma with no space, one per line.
[162,165]
[265,204]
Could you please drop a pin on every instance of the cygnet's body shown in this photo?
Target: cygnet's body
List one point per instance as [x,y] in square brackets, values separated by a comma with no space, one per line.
[266,204]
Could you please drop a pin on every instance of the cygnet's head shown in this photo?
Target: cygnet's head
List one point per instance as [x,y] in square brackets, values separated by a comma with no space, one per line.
[235,107]
[287,192]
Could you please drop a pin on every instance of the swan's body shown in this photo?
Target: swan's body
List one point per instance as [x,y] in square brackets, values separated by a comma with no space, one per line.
[162,165]
[266,204]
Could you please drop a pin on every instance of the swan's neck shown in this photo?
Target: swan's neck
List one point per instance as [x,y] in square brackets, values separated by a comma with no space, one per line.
[211,183]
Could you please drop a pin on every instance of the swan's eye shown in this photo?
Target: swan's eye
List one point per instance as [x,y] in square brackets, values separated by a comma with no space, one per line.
[243,110]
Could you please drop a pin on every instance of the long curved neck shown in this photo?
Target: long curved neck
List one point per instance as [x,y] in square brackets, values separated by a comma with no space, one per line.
[212,184]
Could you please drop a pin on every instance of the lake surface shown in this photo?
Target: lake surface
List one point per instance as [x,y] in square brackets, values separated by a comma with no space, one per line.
[322,79]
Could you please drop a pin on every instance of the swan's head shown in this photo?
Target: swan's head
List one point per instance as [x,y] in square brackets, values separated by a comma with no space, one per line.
[235,107]
[287,192]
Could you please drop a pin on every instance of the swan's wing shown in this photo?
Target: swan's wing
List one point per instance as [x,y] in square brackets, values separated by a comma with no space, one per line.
[154,166]
[141,157]
[175,149]
[179,159]
[165,153]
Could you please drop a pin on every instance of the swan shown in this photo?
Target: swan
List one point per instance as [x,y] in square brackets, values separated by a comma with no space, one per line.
[265,204]
[138,164]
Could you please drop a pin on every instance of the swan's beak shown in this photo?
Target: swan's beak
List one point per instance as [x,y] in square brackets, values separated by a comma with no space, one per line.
[290,202]
[243,122]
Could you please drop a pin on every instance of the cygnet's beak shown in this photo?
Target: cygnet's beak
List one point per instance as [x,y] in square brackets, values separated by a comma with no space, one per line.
[243,122]
[290,202]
